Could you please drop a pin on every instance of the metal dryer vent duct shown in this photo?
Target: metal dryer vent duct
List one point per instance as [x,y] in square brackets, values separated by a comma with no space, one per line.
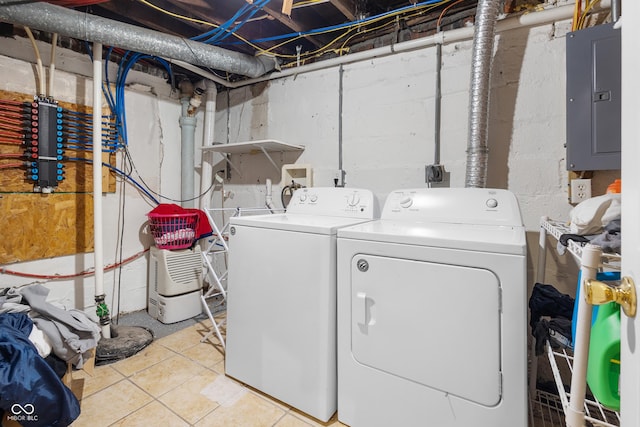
[70,23]
[483,41]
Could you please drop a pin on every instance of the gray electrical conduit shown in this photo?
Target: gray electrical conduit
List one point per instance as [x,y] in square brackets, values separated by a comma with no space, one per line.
[70,23]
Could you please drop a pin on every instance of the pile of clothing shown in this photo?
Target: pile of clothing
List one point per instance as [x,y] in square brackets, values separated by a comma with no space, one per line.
[550,317]
[596,221]
[37,341]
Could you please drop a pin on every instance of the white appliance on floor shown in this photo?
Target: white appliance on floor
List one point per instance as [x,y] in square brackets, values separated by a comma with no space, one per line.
[175,280]
[281,306]
[432,314]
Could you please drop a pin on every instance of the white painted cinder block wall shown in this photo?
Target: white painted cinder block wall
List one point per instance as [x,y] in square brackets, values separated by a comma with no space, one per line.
[154,137]
[387,139]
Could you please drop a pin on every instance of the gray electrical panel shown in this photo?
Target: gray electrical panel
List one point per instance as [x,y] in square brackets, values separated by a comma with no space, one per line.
[593,99]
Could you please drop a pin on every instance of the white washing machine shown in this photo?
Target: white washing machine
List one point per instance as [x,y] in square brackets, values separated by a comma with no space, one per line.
[281,306]
[432,312]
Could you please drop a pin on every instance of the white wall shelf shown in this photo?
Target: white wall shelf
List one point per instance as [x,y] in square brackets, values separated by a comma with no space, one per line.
[264,146]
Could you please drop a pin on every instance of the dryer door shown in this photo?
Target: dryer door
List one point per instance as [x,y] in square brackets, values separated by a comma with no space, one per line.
[434,324]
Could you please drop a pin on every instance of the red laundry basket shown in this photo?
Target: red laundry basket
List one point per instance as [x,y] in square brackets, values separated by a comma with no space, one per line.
[173,231]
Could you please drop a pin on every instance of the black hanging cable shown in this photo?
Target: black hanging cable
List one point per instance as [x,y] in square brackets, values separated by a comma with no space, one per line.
[121,222]
[133,166]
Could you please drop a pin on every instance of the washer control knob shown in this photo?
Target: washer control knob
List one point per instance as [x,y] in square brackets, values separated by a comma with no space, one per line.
[406,202]
[313,198]
[303,197]
[354,199]
[492,203]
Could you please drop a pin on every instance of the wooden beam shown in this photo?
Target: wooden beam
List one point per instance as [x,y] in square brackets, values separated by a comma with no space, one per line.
[346,7]
[134,13]
[286,7]
[287,21]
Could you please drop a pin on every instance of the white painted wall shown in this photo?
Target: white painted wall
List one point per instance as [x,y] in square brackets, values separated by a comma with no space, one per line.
[154,137]
[387,138]
[388,125]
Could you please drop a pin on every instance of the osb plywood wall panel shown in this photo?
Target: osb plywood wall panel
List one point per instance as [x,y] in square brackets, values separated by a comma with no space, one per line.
[35,225]
[78,174]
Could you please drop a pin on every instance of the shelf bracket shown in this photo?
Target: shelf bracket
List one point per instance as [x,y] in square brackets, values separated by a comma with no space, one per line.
[269,158]
[234,167]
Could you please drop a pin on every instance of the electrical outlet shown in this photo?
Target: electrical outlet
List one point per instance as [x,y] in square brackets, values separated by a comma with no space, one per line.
[580,190]
[434,173]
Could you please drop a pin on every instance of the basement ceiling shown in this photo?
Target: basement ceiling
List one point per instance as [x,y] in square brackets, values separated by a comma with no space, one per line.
[293,31]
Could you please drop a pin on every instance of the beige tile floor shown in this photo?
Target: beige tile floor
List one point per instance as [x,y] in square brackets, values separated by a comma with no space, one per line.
[178,381]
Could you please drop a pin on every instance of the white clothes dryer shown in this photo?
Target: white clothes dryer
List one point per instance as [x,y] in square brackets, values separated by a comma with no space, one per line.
[432,312]
[281,305]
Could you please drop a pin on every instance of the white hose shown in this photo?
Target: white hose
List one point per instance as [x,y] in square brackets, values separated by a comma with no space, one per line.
[40,70]
[52,63]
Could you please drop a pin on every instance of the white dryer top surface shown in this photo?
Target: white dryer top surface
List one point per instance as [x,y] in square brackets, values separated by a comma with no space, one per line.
[475,219]
[497,239]
[319,210]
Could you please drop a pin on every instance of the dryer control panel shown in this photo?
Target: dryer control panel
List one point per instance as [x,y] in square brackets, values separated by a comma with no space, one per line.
[333,201]
[454,205]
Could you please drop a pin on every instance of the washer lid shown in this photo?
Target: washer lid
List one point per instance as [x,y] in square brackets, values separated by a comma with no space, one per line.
[485,238]
[298,223]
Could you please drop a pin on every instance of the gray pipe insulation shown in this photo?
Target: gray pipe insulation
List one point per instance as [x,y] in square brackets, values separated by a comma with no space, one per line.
[84,26]
[483,41]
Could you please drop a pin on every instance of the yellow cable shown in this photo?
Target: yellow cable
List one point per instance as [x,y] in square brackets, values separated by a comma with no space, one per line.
[391,22]
[587,9]
[341,49]
[198,21]
[576,15]
[366,30]
[354,27]
[320,50]
[175,15]
[307,2]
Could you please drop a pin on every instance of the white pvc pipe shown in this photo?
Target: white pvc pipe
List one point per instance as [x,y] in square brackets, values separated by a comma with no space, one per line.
[97,180]
[206,173]
[188,126]
[269,195]
[590,262]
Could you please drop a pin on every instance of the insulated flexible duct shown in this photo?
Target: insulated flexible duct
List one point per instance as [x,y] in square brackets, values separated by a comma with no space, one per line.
[483,41]
[83,26]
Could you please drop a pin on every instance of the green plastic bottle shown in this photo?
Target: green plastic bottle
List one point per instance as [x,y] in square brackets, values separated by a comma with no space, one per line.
[603,368]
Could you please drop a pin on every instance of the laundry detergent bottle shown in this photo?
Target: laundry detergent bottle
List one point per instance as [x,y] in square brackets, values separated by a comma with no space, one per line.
[603,369]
